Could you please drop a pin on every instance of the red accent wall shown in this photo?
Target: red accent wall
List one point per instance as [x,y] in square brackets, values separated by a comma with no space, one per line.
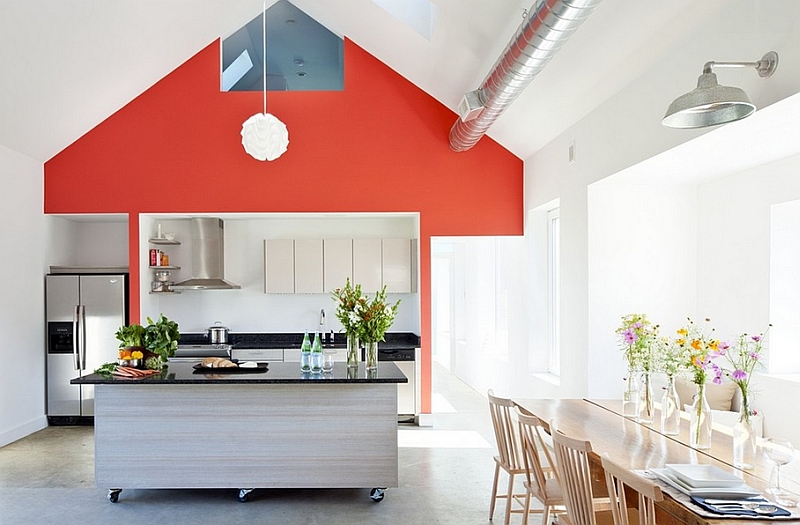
[381,145]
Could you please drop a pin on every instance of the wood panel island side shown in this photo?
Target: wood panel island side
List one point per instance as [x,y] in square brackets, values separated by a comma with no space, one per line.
[275,429]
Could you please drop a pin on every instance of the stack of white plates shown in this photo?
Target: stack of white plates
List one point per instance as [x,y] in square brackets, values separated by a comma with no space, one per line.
[705,481]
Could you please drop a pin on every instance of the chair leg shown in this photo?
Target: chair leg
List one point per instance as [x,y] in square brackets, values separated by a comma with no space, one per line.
[545,514]
[509,498]
[527,510]
[494,490]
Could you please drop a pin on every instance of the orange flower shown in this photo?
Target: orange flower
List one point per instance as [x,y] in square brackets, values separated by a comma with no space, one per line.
[696,344]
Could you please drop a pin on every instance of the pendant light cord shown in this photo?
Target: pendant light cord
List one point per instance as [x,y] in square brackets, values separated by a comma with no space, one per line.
[264,41]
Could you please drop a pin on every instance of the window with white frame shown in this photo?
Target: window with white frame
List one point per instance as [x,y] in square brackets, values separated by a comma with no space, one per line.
[553,292]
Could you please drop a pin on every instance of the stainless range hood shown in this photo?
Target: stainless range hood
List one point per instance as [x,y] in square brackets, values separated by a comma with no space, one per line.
[208,257]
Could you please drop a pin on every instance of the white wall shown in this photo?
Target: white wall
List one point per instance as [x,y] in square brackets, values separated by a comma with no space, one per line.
[734,273]
[24,237]
[250,309]
[642,259]
[489,312]
[626,130]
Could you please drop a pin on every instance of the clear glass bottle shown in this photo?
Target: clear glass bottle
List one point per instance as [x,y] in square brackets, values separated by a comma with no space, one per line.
[630,396]
[671,410]
[305,354]
[371,359]
[316,354]
[352,351]
[645,408]
[744,436]
[700,421]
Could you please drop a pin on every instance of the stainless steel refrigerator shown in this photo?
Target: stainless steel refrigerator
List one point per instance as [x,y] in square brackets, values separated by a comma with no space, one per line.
[83,314]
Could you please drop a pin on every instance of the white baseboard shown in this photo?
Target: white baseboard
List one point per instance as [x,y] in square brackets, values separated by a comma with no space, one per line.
[424,420]
[9,436]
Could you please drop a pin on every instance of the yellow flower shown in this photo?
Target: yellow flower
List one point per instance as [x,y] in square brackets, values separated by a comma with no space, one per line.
[697,361]
[683,331]
[713,345]
[696,344]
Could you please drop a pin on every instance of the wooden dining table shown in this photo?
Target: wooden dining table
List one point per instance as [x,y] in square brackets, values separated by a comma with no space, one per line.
[639,446]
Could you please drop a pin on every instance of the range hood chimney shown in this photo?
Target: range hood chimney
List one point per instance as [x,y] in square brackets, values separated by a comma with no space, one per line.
[208,257]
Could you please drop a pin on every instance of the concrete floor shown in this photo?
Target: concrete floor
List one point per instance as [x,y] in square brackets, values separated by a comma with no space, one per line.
[445,477]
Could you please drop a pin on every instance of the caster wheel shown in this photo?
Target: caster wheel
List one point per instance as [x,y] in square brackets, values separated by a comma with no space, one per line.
[113,495]
[377,494]
[244,494]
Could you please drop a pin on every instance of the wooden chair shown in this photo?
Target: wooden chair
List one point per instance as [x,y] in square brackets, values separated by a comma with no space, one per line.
[540,480]
[575,477]
[509,454]
[617,478]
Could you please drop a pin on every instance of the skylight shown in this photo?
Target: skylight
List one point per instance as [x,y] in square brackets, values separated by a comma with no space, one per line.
[302,55]
[419,15]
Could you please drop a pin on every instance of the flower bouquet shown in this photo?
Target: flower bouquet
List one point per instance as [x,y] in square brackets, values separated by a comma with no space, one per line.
[347,299]
[698,348]
[375,318]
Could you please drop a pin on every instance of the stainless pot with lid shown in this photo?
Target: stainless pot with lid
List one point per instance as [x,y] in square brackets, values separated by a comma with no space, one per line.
[217,334]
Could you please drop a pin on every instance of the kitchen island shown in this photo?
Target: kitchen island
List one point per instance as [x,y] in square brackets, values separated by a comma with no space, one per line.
[277,428]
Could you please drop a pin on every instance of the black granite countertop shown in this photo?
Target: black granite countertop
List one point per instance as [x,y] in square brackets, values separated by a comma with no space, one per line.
[276,373]
[394,340]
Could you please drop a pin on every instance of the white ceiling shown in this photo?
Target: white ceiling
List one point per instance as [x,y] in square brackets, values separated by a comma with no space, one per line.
[65,65]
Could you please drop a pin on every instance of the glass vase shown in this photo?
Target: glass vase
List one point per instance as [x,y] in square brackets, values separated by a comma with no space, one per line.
[670,410]
[371,359]
[700,421]
[645,408]
[630,395]
[744,436]
[352,351]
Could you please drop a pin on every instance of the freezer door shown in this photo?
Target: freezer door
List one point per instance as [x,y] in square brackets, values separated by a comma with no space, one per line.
[103,299]
[62,297]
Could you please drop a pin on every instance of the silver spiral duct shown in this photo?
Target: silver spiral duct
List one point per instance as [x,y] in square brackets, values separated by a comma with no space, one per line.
[543,32]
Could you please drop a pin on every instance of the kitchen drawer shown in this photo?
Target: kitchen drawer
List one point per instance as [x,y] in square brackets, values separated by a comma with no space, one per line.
[268,355]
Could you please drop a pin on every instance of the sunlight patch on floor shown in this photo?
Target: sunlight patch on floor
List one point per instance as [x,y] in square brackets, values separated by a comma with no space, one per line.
[441,439]
[440,405]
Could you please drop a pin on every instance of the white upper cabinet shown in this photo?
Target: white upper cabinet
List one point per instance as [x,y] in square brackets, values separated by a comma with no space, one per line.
[317,266]
[367,262]
[308,266]
[396,265]
[279,266]
[337,262]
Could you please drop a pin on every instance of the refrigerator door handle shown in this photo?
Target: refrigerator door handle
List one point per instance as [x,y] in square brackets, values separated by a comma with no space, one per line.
[80,312]
[76,323]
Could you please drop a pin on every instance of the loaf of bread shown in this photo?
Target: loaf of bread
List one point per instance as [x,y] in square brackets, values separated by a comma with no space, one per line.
[217,362]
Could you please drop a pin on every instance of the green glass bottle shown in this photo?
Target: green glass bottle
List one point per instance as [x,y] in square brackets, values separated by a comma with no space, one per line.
[316,354]
[305,354]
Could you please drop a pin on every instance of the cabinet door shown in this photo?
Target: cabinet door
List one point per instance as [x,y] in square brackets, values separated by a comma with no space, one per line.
[367,264]
[279,266]
[396,264]
[308,266]
[337,262]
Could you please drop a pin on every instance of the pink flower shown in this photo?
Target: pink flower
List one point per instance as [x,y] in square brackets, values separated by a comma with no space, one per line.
[739,375]
[756,338]
[637,325]
[629,336]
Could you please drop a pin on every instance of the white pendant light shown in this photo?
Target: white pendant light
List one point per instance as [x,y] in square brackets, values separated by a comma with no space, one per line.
[264,136]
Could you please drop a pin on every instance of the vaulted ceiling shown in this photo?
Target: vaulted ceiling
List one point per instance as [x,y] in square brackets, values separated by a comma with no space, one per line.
[66,65]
